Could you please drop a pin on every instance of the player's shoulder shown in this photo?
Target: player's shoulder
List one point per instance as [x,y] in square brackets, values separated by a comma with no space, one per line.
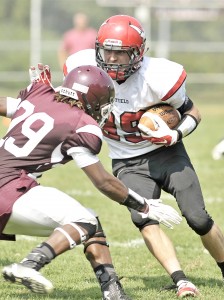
[161,71]
[89,133]
[35,89]
[83,54]
[160,66]
[86,121]
[163,76]
[82,57]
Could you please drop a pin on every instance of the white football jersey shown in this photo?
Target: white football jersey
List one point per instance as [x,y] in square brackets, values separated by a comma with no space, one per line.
[157,81]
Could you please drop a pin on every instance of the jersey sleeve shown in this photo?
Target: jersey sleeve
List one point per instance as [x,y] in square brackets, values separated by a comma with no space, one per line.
[167,80]
[12,104]
[178,98]
[82,57]
[83,157]
[85,143]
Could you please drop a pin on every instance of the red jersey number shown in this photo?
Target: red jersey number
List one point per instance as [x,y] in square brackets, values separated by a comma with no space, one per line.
[128,123]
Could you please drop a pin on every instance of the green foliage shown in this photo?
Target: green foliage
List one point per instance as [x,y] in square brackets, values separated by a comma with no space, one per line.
[143,277]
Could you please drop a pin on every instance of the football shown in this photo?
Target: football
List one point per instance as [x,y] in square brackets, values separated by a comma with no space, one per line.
[165,111]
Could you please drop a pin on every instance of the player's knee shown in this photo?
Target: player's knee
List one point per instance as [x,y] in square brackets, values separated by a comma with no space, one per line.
[70,230]
[90,228]
[93,246]
[140,222]
[200,223]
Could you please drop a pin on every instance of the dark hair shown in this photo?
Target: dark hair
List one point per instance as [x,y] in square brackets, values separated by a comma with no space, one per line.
[65,99]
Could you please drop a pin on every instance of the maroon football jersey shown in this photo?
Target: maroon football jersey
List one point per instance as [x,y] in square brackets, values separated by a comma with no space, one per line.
[41,132]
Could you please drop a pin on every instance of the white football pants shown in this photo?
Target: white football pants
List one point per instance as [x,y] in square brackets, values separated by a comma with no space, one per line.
[39,211]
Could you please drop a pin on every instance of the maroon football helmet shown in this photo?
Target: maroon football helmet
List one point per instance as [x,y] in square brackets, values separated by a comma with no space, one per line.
[93,88]
[121,33]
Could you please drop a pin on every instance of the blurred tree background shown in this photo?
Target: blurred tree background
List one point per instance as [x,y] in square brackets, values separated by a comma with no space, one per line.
[195,42]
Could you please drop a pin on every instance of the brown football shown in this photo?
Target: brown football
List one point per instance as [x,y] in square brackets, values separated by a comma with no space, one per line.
[165,111]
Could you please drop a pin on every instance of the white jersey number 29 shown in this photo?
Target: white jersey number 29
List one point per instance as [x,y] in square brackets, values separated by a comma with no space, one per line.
[34,137]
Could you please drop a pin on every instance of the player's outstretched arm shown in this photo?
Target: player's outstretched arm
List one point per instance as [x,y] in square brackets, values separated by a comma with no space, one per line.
[113,188]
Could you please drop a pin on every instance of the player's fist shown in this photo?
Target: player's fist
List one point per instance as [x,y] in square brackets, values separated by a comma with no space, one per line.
[161,135]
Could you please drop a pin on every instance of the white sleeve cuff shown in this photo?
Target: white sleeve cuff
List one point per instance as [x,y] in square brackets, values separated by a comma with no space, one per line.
[82,156]
[12,104]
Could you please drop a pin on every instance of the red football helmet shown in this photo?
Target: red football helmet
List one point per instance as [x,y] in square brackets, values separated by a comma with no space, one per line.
[93,88]
[122,33]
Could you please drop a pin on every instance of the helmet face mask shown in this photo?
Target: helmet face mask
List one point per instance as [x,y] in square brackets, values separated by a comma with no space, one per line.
[105,113]
[115,70]
[93,88]
[120,33]
[101,111]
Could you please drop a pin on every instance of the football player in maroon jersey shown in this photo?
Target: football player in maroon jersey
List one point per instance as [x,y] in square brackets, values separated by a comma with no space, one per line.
[50,128]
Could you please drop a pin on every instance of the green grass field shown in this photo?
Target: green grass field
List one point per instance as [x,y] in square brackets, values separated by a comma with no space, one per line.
[143,277]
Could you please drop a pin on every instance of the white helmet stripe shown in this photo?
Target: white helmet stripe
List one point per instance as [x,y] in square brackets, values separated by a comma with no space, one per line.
[141,32]
[80,87]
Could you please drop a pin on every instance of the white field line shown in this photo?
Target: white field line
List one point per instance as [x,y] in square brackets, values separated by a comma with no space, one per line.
[164,196]
[75,192]
[126,244]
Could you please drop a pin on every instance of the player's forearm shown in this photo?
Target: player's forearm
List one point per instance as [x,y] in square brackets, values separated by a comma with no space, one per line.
[195,113]
[189,122]
[113,188]
[117,191]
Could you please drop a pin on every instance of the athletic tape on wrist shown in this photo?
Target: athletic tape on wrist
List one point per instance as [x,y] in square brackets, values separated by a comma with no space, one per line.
[186,126]
[135,201]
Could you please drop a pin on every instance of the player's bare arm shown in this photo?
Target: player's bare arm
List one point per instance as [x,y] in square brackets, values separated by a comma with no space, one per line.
[195,113]
[113,188]
[106,183]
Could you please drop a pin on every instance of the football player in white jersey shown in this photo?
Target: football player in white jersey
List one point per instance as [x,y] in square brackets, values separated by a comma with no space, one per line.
[47,129]
[155,160]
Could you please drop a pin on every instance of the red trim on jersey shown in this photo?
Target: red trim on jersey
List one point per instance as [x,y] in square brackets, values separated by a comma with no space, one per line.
[176,86]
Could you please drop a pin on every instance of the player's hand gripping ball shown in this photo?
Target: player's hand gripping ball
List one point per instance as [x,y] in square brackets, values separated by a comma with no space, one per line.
[166,112]
[157,124]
